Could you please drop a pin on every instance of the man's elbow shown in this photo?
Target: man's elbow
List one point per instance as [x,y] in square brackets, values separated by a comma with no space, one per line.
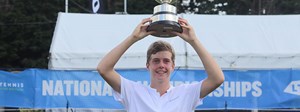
[101,69]
[221,79]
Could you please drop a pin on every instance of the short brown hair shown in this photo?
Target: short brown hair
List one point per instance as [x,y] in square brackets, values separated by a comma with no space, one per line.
[160,46]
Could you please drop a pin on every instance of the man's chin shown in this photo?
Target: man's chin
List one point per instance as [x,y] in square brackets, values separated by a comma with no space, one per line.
[162,78]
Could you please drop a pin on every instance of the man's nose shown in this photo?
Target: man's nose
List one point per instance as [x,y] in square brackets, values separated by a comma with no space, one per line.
[161,65]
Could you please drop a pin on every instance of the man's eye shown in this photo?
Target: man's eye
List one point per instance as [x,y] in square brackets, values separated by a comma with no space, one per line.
[156,61]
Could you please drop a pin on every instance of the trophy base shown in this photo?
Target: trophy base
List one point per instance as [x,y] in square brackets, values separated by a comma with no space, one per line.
[163,28]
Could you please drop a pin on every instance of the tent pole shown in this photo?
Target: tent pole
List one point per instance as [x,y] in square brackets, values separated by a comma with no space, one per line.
[66,6]
[125,6]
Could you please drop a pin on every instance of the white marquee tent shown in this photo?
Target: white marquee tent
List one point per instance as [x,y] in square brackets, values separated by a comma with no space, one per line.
[237,42]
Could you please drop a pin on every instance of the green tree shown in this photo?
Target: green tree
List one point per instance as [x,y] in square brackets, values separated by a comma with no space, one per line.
[241,7]
[26,32]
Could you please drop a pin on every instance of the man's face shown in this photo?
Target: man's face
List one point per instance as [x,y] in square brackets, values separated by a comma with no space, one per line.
[161,66]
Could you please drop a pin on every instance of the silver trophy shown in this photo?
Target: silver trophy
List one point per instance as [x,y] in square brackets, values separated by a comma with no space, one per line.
[164,19]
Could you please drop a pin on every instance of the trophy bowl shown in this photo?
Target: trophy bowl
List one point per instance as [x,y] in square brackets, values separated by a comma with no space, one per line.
[164,20]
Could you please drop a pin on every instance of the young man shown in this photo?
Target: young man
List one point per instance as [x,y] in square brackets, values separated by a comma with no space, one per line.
[160,96]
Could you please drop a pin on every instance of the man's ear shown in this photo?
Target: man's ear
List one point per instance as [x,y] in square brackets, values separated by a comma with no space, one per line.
[147,65]
[173,65]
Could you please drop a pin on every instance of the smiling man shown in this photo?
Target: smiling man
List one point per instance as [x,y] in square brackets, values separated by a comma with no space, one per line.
[160,96]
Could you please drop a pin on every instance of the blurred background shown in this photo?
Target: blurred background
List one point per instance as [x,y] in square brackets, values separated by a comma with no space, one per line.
[27,26]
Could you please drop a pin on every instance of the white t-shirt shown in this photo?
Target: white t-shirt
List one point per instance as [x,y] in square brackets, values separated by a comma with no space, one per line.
[137,97]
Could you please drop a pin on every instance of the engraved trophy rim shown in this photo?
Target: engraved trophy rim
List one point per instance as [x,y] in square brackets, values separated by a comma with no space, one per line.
[166,1]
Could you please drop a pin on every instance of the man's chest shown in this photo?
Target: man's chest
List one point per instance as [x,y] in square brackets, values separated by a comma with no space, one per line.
[155,103]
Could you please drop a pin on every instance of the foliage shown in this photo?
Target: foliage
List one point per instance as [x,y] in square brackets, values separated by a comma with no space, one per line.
[242,7]
[26,29]
[31,110]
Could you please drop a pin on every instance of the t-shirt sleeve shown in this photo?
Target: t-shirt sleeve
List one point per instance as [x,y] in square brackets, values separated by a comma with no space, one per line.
[194,90]
[117,96]
[200,100]
[126,90]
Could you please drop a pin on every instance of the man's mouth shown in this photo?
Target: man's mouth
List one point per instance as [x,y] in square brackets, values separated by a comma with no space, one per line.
[161,71]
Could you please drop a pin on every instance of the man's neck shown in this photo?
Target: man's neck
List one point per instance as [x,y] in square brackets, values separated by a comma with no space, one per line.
[160,87]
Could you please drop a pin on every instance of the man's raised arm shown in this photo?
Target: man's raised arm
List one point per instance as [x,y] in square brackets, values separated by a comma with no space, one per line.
[106,65]
[215,75]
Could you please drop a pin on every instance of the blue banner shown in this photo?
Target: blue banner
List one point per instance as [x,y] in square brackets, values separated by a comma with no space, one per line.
[242,89]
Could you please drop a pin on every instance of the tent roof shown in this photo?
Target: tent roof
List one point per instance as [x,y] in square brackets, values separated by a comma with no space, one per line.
[248,42]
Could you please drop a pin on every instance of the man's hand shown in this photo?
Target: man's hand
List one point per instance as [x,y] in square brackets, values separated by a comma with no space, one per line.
[188,33]
[140,31]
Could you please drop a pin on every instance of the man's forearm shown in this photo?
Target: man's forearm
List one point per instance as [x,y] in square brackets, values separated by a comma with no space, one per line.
[108,62]
[211,67]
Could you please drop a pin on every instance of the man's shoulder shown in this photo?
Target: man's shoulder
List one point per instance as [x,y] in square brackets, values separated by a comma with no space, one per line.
[188,85]
[132,83]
